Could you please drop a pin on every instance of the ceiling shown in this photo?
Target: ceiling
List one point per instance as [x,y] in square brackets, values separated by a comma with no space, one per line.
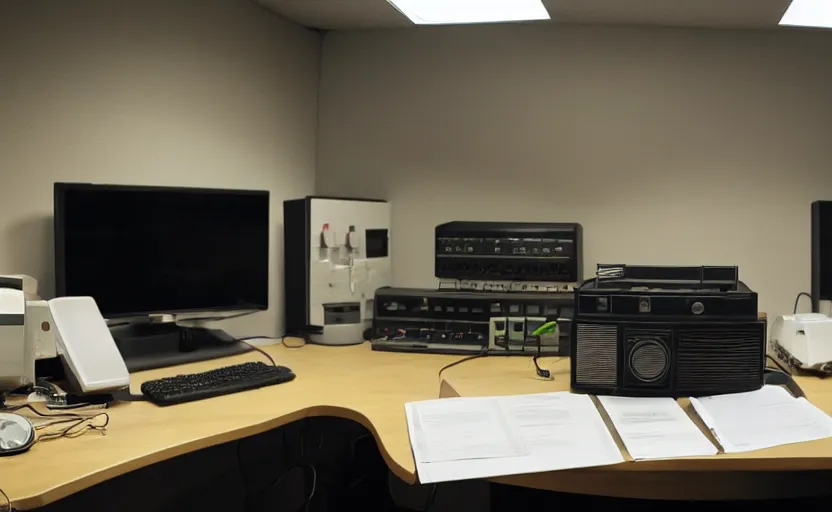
[357,14]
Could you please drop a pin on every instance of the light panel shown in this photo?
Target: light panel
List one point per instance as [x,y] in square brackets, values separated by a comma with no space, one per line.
[808,13]
[449,12]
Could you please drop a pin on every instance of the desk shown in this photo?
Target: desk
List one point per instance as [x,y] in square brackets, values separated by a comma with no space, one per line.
[372,388]
[797,470]
[350,382]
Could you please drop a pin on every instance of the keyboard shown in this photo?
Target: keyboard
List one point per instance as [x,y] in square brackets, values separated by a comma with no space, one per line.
[222,381]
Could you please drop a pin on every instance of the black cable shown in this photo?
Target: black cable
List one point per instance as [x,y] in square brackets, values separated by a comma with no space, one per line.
[34,410]
[247,338]
[67,417]
[777,363]
[259,350]
[542,373]
[483,353]
[431,498]
[8,501]
[797,300]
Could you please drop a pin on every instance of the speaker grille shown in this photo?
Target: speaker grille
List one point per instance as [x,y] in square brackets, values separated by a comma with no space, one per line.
[720,360]
[596,355]
[649,358]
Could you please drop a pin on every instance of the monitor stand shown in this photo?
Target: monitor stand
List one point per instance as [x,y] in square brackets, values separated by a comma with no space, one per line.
[145,346]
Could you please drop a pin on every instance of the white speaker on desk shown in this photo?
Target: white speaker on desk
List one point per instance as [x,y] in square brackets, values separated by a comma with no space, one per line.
[87,350]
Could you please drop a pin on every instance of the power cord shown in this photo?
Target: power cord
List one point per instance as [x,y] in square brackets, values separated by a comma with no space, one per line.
[797,300]
[8,505]
[547,328]
[242,340]
[76,420]
[281,338]
[482,353]
[777,363]
[541,372]
[431,498]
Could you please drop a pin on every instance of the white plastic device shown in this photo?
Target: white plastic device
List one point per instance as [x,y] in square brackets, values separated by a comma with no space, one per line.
[86,347]
[39,330]
[17,361]
[807,337]
[343,271]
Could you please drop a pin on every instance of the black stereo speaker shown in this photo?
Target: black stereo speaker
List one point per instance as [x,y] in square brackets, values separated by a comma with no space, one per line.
[631,358]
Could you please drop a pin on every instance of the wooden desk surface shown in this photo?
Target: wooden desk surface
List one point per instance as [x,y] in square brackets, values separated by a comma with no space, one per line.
[802,469]
[372,388]
[351,382]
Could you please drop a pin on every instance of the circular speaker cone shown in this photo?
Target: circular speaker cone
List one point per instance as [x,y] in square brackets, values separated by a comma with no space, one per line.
[649,360]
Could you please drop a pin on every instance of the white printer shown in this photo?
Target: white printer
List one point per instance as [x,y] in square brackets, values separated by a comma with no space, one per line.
[70,328]
[805,338]
[17,359]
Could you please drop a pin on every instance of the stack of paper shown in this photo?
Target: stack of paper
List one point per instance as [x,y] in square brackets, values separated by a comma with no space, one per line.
[656,428]
[768,417]
[464,438]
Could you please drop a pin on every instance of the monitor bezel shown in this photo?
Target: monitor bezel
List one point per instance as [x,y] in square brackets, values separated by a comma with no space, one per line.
[59,195]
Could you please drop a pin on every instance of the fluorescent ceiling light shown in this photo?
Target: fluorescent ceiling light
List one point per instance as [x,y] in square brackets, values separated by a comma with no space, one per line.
[447,12]
[808,13]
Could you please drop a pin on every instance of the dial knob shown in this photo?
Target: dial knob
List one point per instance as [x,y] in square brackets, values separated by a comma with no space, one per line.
[697,308]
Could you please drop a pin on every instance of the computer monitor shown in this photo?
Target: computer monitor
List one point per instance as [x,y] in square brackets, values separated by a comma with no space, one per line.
[140,251]
[821,252]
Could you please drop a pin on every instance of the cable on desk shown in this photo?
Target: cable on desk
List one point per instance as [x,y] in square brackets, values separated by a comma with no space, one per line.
[77,420]
[541,372]
[70,431]
[241,340]
[281,338]
[777,363]
[483,353]
[7,507]
[8,504]
[797,300]
[547,328]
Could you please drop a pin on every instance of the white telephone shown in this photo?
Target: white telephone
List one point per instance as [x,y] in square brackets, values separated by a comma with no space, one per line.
[85,346]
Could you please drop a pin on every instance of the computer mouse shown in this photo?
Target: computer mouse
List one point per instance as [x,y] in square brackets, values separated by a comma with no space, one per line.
[16,434]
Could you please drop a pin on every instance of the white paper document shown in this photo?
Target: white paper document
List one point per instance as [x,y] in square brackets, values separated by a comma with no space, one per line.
[457,429]
[656,428]
[768,417]
[466,438]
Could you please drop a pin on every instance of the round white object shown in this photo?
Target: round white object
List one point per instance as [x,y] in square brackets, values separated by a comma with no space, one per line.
[16,434]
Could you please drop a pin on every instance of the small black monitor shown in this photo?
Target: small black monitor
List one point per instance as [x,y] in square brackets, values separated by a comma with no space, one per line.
[821,252]
[149,250]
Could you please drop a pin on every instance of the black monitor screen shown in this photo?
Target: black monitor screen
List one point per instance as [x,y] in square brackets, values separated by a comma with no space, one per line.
[821,250]
[140,250]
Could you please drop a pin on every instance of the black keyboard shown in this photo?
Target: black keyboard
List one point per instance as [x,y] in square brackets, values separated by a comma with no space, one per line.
[222,381]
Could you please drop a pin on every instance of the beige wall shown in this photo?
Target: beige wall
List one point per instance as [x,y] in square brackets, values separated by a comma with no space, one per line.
[670,146]
[210,93]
